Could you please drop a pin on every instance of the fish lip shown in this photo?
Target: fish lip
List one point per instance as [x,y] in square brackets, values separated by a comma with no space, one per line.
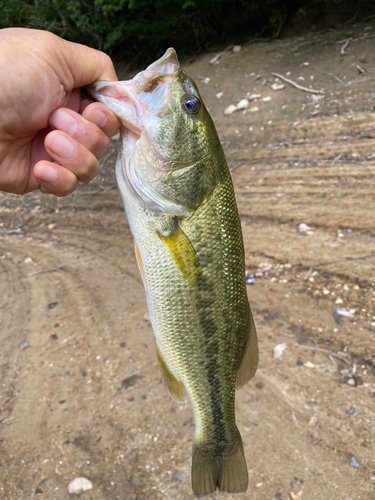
[133,128]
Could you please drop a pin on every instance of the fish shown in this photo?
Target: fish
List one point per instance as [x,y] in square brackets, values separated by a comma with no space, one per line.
[180,204]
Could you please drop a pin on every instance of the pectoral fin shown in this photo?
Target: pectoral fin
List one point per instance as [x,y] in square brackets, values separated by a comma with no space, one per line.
[249,362]
[175,388]
[183,253]
[139,262]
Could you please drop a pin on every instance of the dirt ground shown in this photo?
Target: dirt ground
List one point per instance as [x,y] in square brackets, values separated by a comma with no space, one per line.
[80,388]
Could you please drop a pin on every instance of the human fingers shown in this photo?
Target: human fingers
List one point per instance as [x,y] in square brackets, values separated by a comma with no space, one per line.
[83,65]
[85,132]
[55,179]
[103,117]
[72,155]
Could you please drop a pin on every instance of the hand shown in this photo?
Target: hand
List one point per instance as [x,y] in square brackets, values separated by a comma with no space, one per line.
[50,137]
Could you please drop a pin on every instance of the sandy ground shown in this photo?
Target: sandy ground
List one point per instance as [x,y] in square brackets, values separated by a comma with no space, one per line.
[80,388]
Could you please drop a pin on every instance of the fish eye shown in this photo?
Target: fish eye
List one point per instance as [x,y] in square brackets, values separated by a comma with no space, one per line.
[191,104]
[152,86]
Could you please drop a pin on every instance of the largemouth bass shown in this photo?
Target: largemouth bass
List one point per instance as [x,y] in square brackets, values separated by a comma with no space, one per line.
[180,204]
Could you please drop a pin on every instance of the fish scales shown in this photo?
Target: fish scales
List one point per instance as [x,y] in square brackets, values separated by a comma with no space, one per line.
[189,249]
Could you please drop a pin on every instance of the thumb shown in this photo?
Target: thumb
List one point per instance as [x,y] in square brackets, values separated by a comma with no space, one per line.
[84,65]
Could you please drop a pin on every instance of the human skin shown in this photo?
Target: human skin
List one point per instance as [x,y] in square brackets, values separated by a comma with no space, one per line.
[50,136]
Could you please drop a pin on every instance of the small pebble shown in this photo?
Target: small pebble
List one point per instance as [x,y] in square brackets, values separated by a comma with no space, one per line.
[243,104]
[303,228]
[178,478]
[207,80]
[305,64]
[79,485]
[266,99]
[308,364]
[351,381]
[237,48]
[254,109]
[250,280]
[24,344]
[353,463]
[230,109]
[344,312]
[350,411]
[219,95]
[277,86]
[278,350]
[293,495]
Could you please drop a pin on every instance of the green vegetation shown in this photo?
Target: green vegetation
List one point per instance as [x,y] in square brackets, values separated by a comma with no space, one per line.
[131,28]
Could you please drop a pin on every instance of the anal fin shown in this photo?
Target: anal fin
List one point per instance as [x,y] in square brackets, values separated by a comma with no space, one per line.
[183,253]
[249,362]
[175,388]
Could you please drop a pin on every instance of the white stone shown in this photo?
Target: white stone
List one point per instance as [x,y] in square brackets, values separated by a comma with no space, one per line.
[305,64]
[254,109]
[230,109]
[266,99]
[303,228]
[79,485]
[277,86]
[237,48]
[308,364]
[243,104]
[207,80]
[251,96]
[219,95]
[278,350]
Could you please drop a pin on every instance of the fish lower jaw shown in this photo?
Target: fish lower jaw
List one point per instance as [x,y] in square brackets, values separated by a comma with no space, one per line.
[128,126]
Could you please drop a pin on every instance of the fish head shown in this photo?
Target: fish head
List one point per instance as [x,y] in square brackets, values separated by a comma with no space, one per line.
[168,136]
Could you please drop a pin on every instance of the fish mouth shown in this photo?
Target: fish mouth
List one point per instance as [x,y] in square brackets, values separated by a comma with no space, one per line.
[131,99]
[121,98]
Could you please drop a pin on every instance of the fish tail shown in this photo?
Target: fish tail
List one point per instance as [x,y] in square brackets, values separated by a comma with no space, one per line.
[225,470]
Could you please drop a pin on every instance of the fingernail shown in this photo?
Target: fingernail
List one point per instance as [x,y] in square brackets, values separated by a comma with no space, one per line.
[63,120]
[98,117]
[47,174]
[60,145]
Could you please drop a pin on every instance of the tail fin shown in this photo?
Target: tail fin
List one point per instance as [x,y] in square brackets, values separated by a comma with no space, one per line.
[226,471]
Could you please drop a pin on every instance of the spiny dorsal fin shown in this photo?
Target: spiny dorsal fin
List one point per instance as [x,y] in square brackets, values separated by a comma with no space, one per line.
[249,362]
[183,253]
[175,388]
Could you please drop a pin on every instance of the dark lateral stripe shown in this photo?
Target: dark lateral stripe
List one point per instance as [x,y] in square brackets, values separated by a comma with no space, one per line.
[205,304]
